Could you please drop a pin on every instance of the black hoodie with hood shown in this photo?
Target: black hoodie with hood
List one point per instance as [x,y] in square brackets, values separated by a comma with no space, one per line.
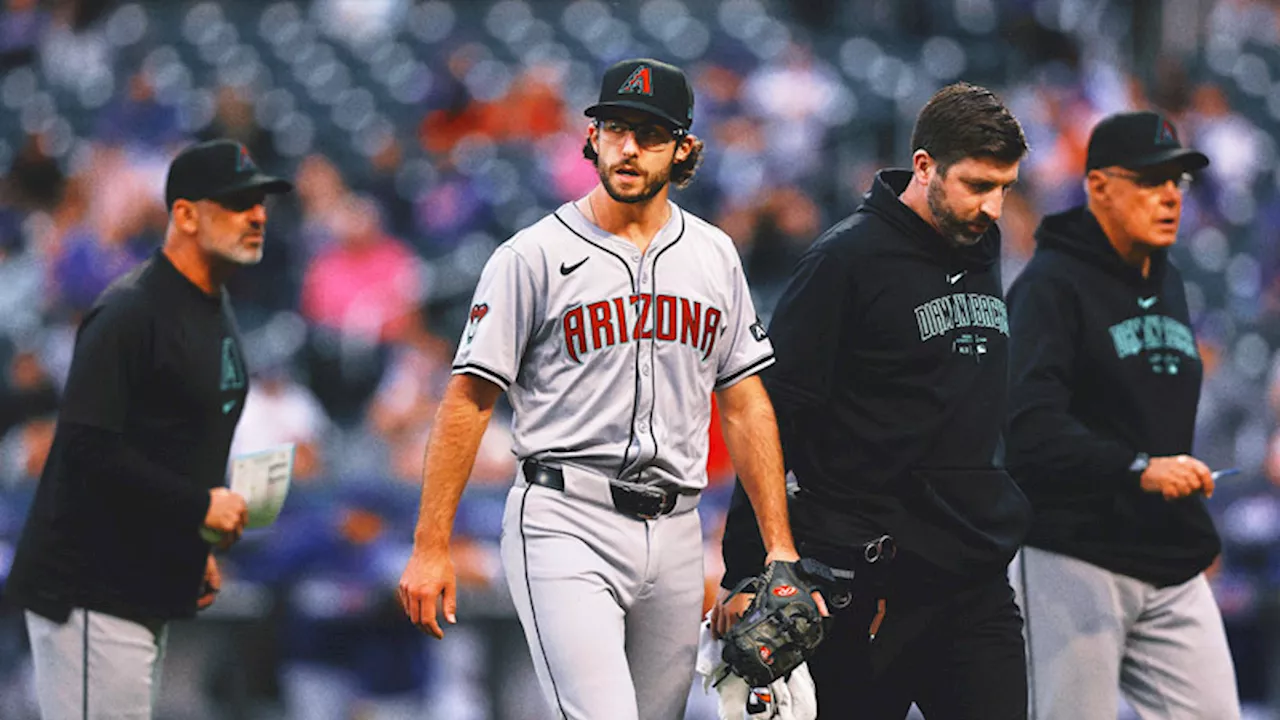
[1104,366]
[890,389]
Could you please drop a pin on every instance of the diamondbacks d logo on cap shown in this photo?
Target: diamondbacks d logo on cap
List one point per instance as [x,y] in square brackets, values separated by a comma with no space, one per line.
[640,82]
[1166,135]
[244,162]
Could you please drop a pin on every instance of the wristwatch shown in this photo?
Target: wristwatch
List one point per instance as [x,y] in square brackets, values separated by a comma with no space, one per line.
[1139,464]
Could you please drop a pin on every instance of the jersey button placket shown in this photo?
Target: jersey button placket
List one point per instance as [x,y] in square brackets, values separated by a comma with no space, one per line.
[644,419]
[647,391]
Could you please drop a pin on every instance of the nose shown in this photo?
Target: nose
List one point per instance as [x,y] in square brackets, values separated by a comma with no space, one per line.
[257,214]
[993,205]
[630,146]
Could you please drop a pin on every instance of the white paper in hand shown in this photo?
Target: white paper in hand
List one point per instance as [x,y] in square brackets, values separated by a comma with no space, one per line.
[262,479]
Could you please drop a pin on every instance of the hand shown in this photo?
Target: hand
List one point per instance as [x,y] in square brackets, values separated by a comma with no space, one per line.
[789,554]
[725,614]
[1177,477]
[212,584]
[227,516]
[427,579]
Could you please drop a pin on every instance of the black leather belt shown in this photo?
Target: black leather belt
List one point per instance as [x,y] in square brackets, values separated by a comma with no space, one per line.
[644,502]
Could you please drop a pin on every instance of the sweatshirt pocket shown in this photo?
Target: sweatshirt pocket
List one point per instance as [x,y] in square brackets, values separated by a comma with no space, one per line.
[963,521]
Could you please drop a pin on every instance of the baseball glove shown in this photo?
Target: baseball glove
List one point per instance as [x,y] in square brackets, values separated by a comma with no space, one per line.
[779,630]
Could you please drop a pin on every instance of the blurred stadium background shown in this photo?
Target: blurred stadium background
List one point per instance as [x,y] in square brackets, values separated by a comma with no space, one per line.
[422,134]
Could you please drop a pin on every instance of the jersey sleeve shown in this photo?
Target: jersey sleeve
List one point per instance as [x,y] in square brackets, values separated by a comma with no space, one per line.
[745,348]
[109,364]
[501,320]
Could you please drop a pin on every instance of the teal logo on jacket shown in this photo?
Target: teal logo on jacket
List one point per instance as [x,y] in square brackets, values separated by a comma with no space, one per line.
[1165,340]
[232,366]
[960,311]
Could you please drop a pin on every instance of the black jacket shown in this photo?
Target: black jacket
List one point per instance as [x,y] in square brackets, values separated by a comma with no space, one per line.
[156,387]
[1104,365]
[890,389]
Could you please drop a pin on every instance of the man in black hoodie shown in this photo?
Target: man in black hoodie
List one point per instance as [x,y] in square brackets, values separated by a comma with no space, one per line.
[115,544]
[1105,377]
[890,388]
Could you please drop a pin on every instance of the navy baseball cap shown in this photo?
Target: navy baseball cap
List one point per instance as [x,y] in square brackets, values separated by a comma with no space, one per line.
[1135,140]
[650,86]
[214,169]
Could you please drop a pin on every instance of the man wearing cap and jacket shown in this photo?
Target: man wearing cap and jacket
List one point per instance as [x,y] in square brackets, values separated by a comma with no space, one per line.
[112,548]
[1105,378]
[608,323]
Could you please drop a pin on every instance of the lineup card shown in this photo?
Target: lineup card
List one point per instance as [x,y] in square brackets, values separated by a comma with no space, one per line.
[262,479]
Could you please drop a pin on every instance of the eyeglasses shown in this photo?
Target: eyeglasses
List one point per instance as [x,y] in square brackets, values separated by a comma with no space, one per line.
[1155,180]
[648,135]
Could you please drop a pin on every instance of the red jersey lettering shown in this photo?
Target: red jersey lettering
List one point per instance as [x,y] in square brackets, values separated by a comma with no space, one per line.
[575,335]
[601,325]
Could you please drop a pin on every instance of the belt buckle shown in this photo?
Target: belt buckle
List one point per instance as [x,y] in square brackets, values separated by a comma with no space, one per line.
[643,501]
[649,503]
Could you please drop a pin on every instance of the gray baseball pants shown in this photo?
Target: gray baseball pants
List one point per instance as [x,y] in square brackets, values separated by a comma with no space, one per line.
[610,605]
[96,666]
[1092,634]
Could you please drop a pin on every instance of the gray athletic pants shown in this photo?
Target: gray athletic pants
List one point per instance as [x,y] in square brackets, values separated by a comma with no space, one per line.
[1092,634]
[96,666]
[610,605]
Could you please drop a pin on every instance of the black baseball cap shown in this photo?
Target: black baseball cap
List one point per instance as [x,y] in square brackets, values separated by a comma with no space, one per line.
[214,169]
[1135,140]
[648,85]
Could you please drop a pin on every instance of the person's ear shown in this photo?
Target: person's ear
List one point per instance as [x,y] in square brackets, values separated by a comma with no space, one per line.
[186,216]
[1098,187]
[684,148]
[923,167]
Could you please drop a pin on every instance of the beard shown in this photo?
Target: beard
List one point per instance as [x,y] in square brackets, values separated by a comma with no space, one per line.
[652,186]
[950,225]
[235,253]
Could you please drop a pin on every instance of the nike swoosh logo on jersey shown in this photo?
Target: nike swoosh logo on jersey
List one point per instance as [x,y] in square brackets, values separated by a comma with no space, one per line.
[227,406]
[1146,303]
[953,279]
[566,269]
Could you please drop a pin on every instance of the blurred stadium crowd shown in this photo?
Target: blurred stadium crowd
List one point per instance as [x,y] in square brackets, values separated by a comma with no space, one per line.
[422,134]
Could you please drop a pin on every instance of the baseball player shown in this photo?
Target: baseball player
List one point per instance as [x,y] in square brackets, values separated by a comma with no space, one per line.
[890,386]
[112,548]
[609,323]
[1104,386]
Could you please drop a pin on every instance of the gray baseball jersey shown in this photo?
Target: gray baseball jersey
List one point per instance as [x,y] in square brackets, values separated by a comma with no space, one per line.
[609,357]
